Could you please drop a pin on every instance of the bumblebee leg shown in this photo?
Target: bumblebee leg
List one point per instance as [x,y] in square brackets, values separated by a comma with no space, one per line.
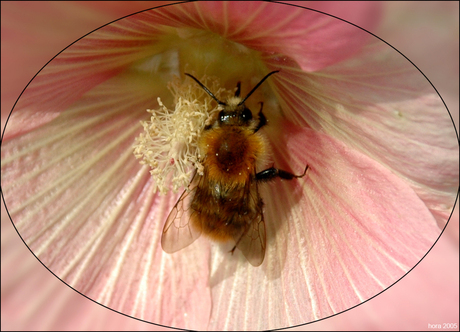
[231,251]
[262,118]
[272,172]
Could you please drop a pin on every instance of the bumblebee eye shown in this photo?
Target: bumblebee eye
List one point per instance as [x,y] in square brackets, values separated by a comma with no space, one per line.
[223,117]
[246,115]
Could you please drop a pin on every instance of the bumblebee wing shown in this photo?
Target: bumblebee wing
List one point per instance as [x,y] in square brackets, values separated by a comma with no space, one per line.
[178,232]
[252,242]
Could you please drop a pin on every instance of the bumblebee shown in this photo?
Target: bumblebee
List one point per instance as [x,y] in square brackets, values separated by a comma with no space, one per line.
[224,203]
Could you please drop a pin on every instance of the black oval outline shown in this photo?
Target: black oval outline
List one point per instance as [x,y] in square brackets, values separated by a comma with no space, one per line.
[279,2]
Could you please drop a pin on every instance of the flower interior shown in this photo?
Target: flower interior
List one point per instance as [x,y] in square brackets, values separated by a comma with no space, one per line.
[382,156]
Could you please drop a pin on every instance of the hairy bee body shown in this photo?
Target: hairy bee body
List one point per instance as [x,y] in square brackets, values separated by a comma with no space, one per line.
[232,153]
[227,199]
[224,203]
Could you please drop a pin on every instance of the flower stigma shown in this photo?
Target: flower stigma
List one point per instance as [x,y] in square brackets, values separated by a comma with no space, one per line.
[169,142]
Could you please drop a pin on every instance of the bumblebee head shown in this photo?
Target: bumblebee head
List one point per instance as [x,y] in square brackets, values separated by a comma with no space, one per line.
[234,112]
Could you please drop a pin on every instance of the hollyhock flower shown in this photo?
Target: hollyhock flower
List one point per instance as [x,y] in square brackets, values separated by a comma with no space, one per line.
[348,106]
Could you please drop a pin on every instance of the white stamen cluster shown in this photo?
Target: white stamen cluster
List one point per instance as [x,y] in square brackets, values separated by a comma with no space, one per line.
[169,143]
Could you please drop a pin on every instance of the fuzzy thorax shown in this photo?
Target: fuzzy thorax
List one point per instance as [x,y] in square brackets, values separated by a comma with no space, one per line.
[232,153]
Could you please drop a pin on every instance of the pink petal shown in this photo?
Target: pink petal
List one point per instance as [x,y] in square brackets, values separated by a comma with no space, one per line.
[75,72]
[86,208]
[80,67]
[387,110]
[339,236]
[123,43]
[33,299]
[25,28]
[46,28]
[243,279]
[314,40]
[424,298]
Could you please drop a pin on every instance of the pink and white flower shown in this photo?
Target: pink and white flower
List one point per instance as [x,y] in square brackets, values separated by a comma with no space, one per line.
[379,142]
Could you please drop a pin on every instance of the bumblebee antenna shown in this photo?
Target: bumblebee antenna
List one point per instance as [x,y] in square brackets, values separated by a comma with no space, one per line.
[206,89]
[255,88]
